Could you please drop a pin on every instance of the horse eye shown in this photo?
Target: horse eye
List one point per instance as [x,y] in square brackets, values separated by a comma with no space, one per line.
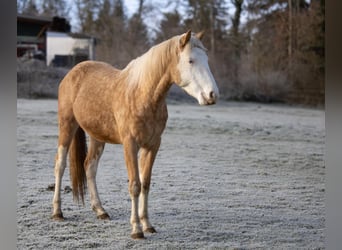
[191,61]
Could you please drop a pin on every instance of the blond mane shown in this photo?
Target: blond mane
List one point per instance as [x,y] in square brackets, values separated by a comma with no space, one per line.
[150,66]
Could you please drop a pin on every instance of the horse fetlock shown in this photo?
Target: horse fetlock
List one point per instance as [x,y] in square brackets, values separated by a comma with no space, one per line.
[137,233]
[100,212]
[147,227]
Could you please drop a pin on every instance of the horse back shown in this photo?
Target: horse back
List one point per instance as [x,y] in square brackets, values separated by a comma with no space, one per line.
[85,74]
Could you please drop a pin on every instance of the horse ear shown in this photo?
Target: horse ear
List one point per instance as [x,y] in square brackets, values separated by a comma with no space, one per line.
[200,35]
[184,39]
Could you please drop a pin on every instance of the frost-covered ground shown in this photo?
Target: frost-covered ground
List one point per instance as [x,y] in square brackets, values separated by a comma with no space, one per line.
[230,176]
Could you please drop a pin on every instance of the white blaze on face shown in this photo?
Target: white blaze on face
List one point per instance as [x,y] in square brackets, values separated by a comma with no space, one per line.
[196,77]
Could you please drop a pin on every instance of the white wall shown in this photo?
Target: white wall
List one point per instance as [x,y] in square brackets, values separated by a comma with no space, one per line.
[62,44]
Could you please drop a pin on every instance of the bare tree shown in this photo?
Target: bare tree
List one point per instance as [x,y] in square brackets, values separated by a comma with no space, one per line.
[55,8]
[30,7]
[86,12]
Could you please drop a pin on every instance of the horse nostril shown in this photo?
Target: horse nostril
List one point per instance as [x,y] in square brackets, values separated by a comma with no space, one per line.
[209,98]
[212,95]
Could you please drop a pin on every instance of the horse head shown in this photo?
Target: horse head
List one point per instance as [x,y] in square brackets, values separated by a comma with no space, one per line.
[194,73]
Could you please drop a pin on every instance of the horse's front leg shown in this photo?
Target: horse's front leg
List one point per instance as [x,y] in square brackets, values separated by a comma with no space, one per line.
[146,160]
[131,155]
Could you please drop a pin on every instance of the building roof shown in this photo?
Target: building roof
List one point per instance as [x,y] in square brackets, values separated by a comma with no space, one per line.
[34,19]
[55,23]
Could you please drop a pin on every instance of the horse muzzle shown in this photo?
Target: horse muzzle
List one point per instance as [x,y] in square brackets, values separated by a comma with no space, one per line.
[209,99]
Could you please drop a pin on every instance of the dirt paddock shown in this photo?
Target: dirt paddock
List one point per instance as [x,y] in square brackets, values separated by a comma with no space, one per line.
[229,176]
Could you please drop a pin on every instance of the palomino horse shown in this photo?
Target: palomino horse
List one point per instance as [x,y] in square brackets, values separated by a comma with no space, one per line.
[125,107]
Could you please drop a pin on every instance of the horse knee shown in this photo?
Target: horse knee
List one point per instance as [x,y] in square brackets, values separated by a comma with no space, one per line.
[135,188]
[145,186]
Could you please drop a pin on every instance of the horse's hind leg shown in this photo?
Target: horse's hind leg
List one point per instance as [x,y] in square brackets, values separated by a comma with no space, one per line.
[59,171]
[67,130]
[91,163]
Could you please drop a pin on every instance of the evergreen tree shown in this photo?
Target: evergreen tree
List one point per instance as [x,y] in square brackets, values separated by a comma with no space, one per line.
[110,29]
[86,12]
[137,33]
[170,25]
[208,16]
[105,32]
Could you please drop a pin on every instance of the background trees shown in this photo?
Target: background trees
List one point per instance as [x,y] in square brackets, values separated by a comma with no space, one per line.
[262,50]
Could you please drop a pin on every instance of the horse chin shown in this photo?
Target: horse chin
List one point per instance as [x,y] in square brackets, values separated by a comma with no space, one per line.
[207,103]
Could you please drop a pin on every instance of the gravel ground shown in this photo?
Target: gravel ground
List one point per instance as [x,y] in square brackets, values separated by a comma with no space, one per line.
[229,176]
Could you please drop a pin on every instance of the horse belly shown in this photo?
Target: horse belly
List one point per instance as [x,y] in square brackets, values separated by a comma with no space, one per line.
[102,132]
[97,122]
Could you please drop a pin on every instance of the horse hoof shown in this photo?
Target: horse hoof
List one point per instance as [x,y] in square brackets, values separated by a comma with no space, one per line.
[138,236]
[150,230]
[57,217]
[104,216]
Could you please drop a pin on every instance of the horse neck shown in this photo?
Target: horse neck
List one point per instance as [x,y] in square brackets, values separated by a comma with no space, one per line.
[149,76]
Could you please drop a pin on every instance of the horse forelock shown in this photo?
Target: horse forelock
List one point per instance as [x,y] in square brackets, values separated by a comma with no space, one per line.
[196,43]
